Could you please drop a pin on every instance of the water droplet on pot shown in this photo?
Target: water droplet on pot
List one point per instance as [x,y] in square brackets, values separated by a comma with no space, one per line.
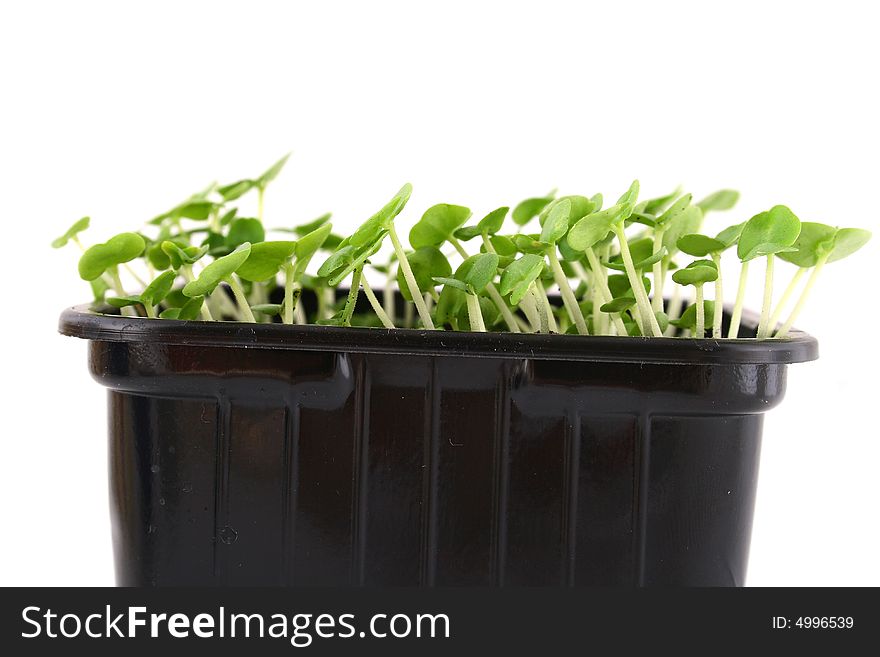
[154,469]
[161,501]
[152,529]
[187,487]
[228,535]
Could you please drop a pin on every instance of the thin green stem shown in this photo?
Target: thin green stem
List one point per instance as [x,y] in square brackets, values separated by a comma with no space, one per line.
[353,292]
[496,298]
[487,242]
[205,311]
[410,279]
[117,282]
[659,271]
[150,310]
[288,293]
[134,275]
[240,298]
[718,306]
[673,310]
[377,307]
[475,314]
[568,298]
[786,296]
[530,309]
[763,328]
[388,293]
[601,283]
[261,193]
[736,317]
[701,313]
[635,281]
[548,308]
[799,306]
[543,319]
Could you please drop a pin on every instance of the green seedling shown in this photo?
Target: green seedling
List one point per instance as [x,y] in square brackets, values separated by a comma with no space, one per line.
[152,295]
[263,181]
[188,311]
[689,319]
[472,277]
[530,208]
[206,243]
[223,270]
[816,246]
[697,274]
[723,199]
[701,246]
[765,234]
[72,234]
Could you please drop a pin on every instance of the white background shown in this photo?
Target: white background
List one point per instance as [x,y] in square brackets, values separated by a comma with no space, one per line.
[119,112]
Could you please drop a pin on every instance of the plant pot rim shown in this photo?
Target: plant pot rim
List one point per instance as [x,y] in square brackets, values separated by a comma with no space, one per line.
[82,322]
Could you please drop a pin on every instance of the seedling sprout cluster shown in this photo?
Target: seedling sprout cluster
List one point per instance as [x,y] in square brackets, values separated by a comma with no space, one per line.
[636,268]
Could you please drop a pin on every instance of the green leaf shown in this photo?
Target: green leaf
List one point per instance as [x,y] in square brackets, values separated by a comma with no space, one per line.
[272,172]
[493,221]
[530,208]
[642,218]
[266,259]
[346,259]
[72,232]
[618,285]
[688,319]
[122,302]
[228,216]
[115,251]
[99,289]
[642,253]
[198,210]
[847,241]
[723,199]
[438,225]
[308,245]
[427,263]
[730,235]
[377,226]
[657,205]
[529,243]
[700,245]
[684,223]
[236,190]
[618,305]
[245,230]
[674,210]
[312,226]
[769,232]
[519,275]
[581,206]
[454,282]
[696,273]
[188,311]
[629,198]
[593,228]
[268,308]
[556,224]
[482,271]
[503,245]
[158,288]
[178,255]
[466,233]
[212,275]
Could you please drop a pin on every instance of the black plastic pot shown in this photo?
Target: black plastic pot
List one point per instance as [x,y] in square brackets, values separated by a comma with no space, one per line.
[265,454]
